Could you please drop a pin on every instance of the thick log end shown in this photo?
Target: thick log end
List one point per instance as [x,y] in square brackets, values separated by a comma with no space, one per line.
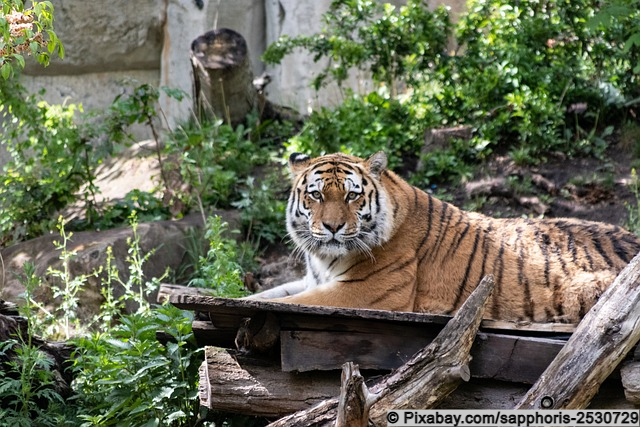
[219,49]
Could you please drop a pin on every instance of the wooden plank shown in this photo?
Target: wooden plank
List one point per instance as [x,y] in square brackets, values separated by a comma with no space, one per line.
[547,328]
[246,308]
[512,358]
[495,356]
[304,351]
[227,313]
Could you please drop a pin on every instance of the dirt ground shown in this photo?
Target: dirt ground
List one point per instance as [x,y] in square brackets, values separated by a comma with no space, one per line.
[586,188]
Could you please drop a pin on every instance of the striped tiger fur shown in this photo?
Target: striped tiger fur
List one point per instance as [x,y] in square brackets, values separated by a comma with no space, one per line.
[371,240]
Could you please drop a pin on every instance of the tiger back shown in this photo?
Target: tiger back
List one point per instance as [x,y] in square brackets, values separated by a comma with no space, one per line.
[371,240]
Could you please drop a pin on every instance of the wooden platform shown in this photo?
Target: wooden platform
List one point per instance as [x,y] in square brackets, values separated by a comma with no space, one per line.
[269,359]
[323,338]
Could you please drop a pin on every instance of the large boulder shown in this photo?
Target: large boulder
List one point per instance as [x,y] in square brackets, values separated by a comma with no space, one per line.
[168,240]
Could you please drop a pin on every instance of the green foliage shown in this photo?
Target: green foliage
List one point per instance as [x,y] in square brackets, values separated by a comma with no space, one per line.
[26,31]
[621,16]
[28,395]
[50,160]
[391,43]
[262,205]
[65,287]
[362,126]
[526,65]
[531,78]
[220,269]
[212,158]
[143,204]
[55,150]
[124,376]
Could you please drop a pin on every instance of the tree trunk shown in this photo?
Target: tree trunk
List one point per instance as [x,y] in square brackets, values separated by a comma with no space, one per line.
[601,340]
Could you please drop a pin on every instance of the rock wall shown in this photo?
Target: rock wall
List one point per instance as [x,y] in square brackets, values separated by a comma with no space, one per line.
[110,48]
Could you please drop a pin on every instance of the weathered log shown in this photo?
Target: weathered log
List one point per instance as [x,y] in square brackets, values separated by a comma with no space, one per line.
[423,381]
[355,400]
[233,383]
[601,341]
[224,81]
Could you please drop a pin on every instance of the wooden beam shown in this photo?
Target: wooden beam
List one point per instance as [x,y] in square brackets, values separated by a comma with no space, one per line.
[168,291]
[601,341]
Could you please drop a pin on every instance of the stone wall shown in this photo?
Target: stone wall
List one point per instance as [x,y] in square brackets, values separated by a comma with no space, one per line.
[108,48]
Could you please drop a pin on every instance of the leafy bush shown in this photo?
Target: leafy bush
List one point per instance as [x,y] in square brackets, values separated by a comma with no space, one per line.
[28,393]
[362,126]
[219,269]
[50,161]
[531,78]
[123,375]
[391,43]
[526,66]
[212,158]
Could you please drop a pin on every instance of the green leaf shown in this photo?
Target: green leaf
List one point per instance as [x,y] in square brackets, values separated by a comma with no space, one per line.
[634,39]
[6,71]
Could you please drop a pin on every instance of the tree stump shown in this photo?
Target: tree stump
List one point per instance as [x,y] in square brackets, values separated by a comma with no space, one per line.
[223,76]
[224,82]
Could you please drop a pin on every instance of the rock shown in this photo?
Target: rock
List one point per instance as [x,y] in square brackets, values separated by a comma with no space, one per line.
[122,35]
[167,238]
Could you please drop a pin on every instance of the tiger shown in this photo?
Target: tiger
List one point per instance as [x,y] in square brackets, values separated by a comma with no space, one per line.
[371,240]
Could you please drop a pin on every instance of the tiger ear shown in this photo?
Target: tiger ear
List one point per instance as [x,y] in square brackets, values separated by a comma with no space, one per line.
[377,163]
[298,162]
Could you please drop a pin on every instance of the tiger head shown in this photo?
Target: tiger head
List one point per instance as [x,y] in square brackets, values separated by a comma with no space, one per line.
[338,204]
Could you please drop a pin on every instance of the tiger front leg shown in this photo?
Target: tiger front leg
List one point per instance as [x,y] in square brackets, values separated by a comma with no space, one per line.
[280,291]
[350,295]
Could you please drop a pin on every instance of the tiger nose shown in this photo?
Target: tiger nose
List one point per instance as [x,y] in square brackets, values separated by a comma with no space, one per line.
[334,228]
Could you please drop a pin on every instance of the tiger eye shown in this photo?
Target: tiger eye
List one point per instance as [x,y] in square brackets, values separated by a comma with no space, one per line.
[352,196]
[316,195]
